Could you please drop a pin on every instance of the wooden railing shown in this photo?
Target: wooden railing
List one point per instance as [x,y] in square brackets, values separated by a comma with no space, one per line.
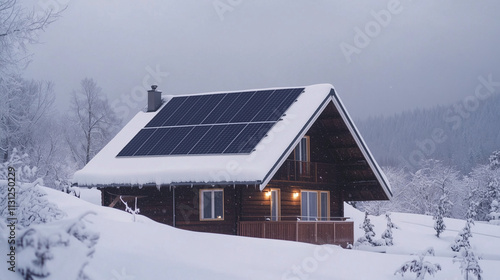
[316,232]
[305,171]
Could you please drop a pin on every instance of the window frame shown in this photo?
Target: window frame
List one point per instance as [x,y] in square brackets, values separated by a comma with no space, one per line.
[318,205]
[308,149]
[212,198]
[278,202]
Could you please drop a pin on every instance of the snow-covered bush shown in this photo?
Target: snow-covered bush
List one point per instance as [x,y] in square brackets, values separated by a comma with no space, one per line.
[58,250]
[468,263]
[472,210]
[367,238]
[495,160]
[387,234]
[462,239]
[494,215]
[128,209]
[21,162]
[32,206]
[419,266]
[439,225]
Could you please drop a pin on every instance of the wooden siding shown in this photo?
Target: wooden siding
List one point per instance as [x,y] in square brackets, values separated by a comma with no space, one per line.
[321,232]
[157,205]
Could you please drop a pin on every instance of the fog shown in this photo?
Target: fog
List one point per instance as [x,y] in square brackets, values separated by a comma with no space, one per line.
[381,56]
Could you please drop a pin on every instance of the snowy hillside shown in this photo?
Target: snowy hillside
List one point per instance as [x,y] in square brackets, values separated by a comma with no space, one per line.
[149,250]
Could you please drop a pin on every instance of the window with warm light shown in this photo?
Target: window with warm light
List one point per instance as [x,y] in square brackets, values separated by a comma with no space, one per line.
[212,204]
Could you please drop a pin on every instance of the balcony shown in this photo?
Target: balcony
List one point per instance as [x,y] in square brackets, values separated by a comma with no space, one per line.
[336,231]
[305,171]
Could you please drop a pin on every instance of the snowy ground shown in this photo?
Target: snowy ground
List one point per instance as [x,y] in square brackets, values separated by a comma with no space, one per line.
[149,250]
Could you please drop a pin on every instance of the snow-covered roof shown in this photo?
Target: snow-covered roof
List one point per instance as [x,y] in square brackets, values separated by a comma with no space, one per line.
[258,167]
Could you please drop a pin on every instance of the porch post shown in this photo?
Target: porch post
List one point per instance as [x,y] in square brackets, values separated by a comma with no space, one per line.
[173,206]
[297,231]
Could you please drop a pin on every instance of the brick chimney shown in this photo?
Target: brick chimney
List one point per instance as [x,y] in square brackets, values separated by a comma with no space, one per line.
[154,99]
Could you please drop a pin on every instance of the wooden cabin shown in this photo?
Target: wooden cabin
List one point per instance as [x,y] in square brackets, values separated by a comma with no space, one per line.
[272,163]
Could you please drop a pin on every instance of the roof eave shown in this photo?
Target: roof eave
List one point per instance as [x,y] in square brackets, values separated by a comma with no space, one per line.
[294,143]
[361,144]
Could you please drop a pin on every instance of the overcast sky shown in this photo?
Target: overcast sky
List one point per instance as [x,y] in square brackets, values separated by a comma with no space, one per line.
[410,53]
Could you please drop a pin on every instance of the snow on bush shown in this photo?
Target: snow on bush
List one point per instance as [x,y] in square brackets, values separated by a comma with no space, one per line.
[468,263]
[367,238]
[468,260]
[129,210]
[462,239]
[419,266]
[24,171]
[58,250]
[494,215]
[387,234]
[32,206]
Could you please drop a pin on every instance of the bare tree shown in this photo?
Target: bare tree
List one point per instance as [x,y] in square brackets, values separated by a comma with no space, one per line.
[18,28]
[24,108]
[94,122]
[428,185]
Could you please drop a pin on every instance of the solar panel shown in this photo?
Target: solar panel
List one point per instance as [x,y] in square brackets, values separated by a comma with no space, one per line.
[224,123]
[136,142]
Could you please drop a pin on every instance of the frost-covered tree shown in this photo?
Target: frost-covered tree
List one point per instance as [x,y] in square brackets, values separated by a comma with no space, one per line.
[469,263]
[387,234]
[20,27]
[30,125]
[419,266]
[42,250]
[472,209]
[494,215]
[485,180]
[25,108]
[462,239]
[32,205]
[367,238]
[428,185]
[94,119]
[441,211]
[135,211]
[398,180]
[495,160]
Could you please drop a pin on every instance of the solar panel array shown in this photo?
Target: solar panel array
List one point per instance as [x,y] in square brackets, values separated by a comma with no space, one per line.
[224,123]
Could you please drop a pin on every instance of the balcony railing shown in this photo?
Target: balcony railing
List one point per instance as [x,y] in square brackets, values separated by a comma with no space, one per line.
[339,232]
[305,171]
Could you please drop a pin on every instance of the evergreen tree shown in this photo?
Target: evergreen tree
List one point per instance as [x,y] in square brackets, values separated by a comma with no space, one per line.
[462,239]
[387,235]
[472,210]
[469,263]
[367,238]
[444,204]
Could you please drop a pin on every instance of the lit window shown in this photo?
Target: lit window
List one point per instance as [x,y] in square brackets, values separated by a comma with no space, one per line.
[211,204]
